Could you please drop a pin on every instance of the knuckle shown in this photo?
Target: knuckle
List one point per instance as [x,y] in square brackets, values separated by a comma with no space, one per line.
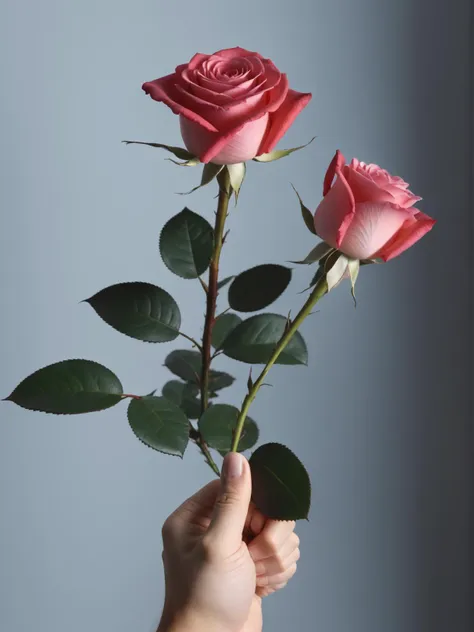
[296,540]
[262,581]
[280,565]
[167,529]
[297,555]
[208,548]
[228,498]
[272,545]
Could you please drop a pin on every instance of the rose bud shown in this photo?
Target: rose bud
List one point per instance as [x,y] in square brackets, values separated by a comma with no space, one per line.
[367,213]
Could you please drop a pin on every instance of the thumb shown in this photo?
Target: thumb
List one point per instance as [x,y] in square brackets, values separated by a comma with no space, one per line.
[232,505]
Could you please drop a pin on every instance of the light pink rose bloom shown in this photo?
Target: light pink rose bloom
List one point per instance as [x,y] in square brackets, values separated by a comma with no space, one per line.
[368,213]
[233,105]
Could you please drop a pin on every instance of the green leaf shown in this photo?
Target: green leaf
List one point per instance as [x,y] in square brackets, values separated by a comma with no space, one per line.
[353,267]
[193,162]
[218,423]
[318,275]
[280,153]
[258,287]
[186,244]
[281,488]
[365,262]
[222,327]
[159,424]
[187,365]
[184,395]
[316,254]
[179,152]
[255,339]
[306,213]
[209,172]
[71,387]
[336,270]
[236,175]
[139,310]
[225,281]
[219,380]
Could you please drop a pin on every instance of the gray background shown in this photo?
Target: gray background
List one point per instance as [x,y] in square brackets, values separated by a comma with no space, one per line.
[380,418]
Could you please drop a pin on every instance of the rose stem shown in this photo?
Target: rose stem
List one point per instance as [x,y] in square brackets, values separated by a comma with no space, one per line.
[318,292]
[221,214]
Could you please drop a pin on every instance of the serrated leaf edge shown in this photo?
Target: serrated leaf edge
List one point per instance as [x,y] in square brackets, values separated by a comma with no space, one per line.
[282,445]
[38,410]
[185,209]
[296,333]
[179,456]
[151,342]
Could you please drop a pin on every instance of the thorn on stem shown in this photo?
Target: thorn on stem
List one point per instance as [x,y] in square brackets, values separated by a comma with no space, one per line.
[203,285]
[250,381]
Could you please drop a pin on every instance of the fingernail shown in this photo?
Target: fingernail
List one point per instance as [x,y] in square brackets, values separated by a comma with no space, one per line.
[232,467]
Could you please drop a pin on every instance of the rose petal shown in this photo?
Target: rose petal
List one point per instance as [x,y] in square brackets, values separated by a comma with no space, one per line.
[194,102]
[236,146]
[231,53]
[283,114]
[220,86]
[365,189]
[227,118]
[373,225]
[411,231]
[402,195]
[257,64]
[378,187]
[230,119]
[335,212]
[164,90]
[197,60]
[263,83]
[372,183]
[210,96]
[399,182]
[211,145]
[337,163]
[248,87]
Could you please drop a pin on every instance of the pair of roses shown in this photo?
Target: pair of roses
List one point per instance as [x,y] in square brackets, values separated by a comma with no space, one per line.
[235,106]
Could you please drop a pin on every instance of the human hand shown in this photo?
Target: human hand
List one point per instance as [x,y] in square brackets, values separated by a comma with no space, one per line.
[221,556]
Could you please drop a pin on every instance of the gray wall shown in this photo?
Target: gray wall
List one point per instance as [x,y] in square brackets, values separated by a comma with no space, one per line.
[381,417]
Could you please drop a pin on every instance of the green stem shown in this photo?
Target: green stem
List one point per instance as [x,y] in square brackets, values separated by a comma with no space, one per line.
[318,292]
[195,342]
[207,455]
[211,300]
[195,435]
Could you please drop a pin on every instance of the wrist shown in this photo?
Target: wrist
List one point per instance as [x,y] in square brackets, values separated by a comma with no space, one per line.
[188,621]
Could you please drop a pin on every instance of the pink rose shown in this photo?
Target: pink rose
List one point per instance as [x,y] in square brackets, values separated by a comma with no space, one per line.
[368,213]
[233,105]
